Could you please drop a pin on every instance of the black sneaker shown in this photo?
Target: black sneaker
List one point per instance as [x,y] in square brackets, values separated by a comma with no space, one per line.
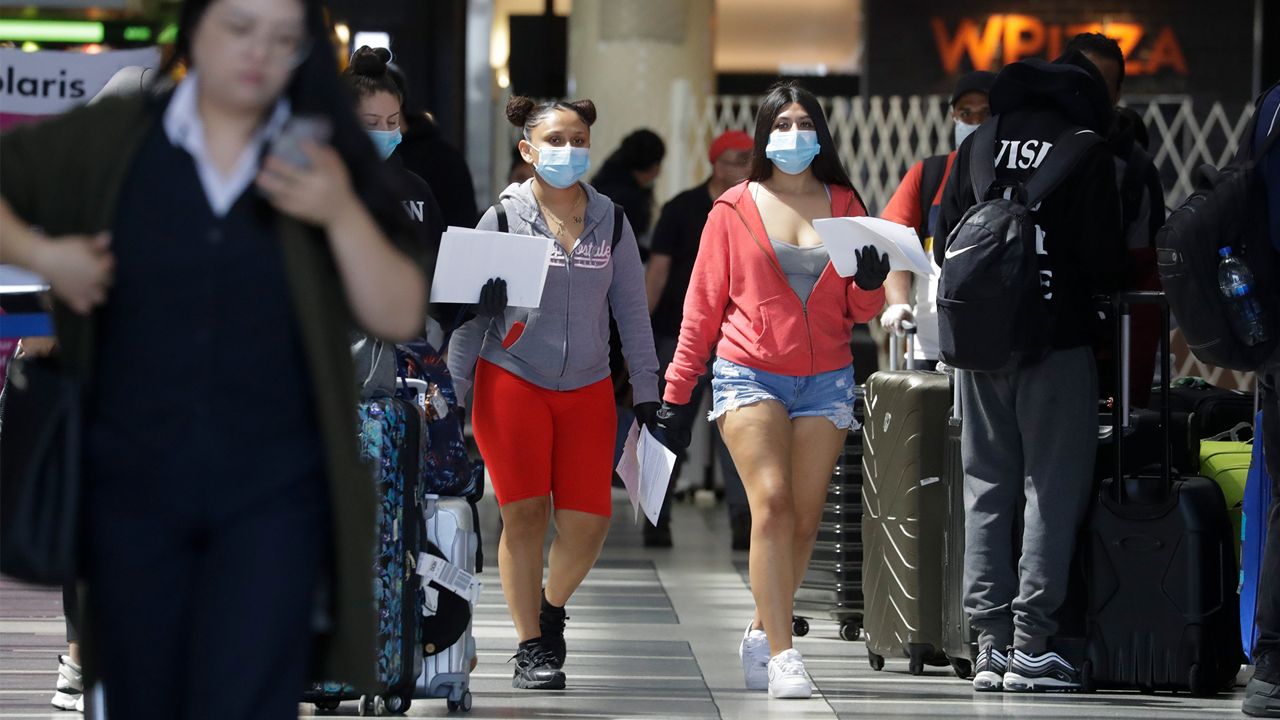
[1262,695]
[535,668]
[1047,671]
[988,673]
[552,620]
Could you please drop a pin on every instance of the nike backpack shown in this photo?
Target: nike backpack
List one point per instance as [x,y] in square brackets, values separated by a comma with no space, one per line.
[992,315]
[1227,209]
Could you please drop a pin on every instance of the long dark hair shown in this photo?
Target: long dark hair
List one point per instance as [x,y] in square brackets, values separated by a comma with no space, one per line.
[316,89]
[826,166]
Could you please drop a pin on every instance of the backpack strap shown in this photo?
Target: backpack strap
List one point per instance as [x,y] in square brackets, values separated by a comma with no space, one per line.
[618,217]
[501,211]
[982,158]
[1133,185]
[932,171]
[1066,153]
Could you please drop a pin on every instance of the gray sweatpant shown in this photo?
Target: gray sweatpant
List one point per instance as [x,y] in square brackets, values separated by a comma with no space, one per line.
[1031,433]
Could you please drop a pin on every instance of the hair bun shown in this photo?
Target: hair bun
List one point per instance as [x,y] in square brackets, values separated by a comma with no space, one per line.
[518,110]
[586,110]
[370,61]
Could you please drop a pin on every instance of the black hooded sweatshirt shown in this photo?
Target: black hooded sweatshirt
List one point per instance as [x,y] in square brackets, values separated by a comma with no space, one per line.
[1034,102]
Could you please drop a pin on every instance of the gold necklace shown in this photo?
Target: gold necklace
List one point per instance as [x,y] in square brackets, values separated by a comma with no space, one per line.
[577,219]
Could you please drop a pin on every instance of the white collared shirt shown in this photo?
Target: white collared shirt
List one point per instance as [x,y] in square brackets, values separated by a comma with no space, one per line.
[185,129]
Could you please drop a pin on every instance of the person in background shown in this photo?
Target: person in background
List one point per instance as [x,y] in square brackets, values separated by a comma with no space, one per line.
[766,299]
[1142,215]
[520,170]
[543,411]
[1262,695]
[379,106]
[1031,433]
[628,176]
[162,226]
[915,204]
[674,249]
[425,151]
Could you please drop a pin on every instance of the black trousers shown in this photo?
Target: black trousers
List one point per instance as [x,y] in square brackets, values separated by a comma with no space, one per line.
[201,592]
[1267,616]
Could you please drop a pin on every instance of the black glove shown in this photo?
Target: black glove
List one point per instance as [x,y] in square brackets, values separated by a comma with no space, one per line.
[873,268]
[676,424]
[647,415]
[493,299]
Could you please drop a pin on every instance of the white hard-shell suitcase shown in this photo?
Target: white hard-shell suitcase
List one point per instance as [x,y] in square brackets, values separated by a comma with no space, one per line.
[450,524]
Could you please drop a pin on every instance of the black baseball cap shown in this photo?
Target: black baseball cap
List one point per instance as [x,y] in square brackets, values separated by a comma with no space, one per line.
[976,81]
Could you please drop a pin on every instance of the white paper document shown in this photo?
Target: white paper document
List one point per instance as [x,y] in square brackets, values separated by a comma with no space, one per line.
[645,469]
[469,258]
[844,236]
[15,280]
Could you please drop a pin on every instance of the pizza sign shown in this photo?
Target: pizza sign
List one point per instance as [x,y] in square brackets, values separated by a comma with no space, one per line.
[997,40]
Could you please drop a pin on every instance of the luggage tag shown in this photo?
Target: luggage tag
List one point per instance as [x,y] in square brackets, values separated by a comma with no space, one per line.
[430,601]
[453,578]
[435,404]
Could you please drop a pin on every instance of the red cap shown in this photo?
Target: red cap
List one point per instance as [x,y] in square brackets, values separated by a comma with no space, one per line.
[729,140]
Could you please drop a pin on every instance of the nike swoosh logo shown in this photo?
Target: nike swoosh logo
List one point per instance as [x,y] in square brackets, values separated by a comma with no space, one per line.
[955,253]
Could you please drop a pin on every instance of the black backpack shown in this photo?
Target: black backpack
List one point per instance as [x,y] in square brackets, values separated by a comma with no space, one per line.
[1227,209]
[992,315]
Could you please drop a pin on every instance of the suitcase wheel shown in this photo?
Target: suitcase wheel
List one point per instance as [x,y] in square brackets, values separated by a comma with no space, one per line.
[397,704]
[876,661]
[463,705]
[962,668]
[1200,683]
[377,706]
[328,706]
[850,630]
[799,626]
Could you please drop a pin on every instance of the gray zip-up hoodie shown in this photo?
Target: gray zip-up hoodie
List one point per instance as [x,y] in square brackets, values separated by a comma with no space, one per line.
[564,343]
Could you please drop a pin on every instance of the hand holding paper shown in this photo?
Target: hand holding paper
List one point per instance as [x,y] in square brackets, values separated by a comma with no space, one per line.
[844,237]
[470,258]
[645,469]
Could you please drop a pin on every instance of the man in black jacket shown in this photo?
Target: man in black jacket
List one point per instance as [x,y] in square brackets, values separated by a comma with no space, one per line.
[1031,433]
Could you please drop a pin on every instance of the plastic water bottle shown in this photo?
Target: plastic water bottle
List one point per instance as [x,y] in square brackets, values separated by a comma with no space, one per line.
[1236,282]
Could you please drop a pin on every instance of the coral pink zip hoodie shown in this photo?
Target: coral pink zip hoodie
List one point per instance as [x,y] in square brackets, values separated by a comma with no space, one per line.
[740,304]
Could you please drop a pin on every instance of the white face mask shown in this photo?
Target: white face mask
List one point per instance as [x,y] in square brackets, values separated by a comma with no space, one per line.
[963,130]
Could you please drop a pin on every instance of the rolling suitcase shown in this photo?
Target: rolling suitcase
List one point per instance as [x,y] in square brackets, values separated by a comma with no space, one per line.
[904,508]
[959,640]
[832,584]
[450,593]
[1214,410]
[1160,562]
[391,444]
[1226,463]
[1257,503]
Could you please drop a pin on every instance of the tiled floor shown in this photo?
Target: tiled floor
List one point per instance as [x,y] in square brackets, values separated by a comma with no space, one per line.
[653,634]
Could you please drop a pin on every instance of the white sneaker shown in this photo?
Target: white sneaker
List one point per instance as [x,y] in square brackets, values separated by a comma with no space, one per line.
[787,677]
[754,654]
[69,692]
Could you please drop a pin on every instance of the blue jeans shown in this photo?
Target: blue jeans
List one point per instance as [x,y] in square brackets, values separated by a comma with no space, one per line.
[829,394]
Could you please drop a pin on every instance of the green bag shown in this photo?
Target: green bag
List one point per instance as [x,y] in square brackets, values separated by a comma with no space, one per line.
[1226,462]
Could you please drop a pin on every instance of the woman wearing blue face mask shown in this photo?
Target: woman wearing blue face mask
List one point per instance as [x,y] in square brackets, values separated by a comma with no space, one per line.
[765,297]
[543,413]
[378,107]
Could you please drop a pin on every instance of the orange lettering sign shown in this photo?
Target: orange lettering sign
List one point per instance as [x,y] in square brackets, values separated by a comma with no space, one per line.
[1016,36]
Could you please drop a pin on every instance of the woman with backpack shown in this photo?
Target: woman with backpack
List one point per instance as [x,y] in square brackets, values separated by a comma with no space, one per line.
[203,246]
[766,299]
[543,413]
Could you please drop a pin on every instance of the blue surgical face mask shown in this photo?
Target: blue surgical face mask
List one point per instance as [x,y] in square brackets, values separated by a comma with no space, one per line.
[562,166]
[963,130]
[792,151]
[385,141]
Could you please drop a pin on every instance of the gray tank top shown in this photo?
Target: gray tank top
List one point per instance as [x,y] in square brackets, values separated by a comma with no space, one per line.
[802,266]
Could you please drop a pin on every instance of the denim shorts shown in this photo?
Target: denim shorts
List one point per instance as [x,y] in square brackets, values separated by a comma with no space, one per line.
[829,394]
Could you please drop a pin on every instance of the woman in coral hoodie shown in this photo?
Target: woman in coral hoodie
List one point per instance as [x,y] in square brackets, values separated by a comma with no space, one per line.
[765,298]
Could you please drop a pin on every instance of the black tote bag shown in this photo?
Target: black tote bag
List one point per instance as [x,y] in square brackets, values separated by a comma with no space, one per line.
[40,472]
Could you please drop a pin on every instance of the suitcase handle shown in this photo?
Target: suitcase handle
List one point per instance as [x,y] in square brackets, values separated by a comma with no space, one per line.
[895,348]
[1122,304]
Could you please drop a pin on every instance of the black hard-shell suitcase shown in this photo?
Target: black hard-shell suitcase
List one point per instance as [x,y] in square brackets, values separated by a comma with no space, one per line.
[904,508]
[832,585]
[1161,569]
